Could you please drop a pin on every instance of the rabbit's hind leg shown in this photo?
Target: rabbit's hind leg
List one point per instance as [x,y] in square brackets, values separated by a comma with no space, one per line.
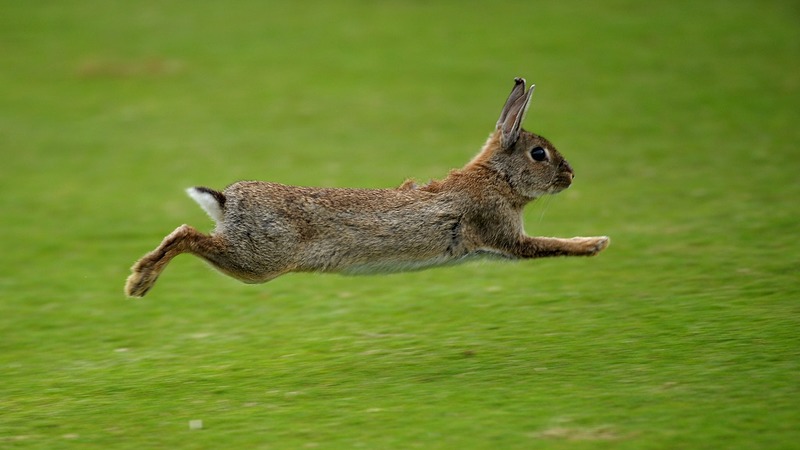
[184,239]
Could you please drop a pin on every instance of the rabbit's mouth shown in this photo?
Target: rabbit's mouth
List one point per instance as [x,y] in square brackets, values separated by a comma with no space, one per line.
[552,189]
[560,183]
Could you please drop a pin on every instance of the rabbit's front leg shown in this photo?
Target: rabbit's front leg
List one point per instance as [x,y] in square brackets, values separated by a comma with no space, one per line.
[539,247]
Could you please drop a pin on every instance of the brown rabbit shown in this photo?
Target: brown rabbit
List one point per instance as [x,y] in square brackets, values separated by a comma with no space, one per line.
[264,230]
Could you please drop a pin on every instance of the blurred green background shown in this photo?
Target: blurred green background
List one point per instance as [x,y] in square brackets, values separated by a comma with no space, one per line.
[680,119]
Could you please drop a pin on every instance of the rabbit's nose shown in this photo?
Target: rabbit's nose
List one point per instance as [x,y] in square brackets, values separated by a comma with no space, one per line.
[567,168]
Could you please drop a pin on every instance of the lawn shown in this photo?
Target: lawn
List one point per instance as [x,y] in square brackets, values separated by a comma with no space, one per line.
[680,119]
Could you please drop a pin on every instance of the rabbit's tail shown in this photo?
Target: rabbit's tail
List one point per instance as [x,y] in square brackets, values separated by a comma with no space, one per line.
[213,202]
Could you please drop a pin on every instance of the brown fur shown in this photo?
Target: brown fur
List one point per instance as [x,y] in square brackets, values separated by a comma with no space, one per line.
[269,229]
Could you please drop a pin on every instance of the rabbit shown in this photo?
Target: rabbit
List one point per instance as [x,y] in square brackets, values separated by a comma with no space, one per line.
[264,230]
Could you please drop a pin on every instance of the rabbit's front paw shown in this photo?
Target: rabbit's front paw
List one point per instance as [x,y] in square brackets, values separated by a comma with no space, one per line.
[591,246]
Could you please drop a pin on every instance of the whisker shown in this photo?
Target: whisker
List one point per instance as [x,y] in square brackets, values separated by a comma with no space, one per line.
[547,200]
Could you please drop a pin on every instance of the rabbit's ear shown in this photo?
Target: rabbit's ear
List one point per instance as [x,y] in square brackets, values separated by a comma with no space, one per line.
[513,114]
[516,93]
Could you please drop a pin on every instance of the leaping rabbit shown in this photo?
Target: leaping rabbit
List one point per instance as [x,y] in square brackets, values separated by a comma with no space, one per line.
[264,230]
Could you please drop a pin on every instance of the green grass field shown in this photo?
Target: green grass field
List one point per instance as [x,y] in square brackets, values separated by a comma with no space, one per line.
[680,119]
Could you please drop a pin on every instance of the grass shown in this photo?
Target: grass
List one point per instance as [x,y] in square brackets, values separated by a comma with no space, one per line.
[679,118]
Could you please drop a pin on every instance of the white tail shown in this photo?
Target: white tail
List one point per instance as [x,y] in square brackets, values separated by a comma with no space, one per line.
[211,201]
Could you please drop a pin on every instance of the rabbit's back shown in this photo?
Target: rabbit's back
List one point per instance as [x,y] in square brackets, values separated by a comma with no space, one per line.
[344,230]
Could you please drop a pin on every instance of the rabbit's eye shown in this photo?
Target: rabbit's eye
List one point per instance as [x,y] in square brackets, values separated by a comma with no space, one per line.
[538,154]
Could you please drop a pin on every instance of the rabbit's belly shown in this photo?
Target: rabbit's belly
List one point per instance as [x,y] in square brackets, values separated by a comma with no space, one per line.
[394,266]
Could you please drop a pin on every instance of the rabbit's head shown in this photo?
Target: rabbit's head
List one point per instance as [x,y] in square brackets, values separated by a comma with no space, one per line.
[530,163]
